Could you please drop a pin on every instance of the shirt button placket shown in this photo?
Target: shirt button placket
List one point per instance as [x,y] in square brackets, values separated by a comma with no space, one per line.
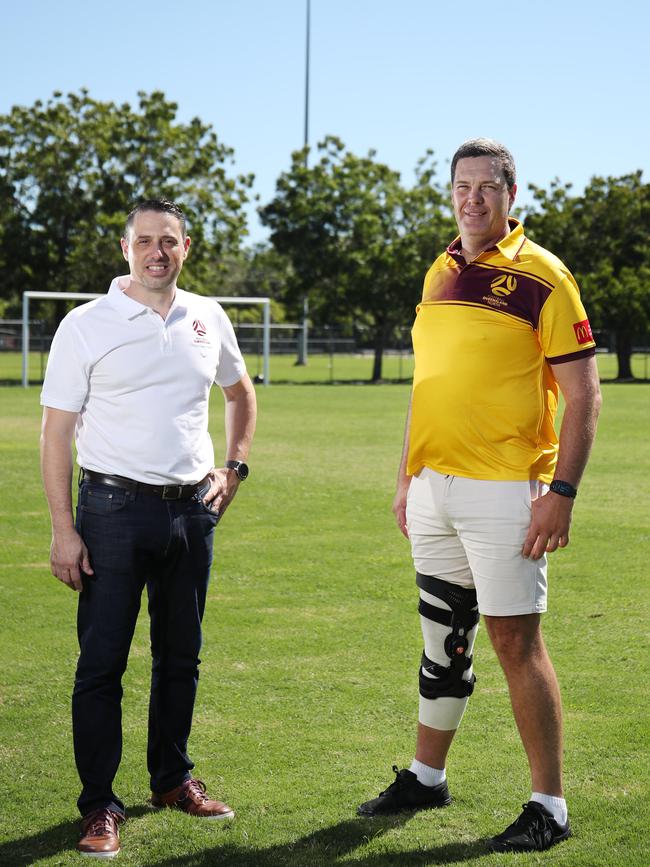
[165,337]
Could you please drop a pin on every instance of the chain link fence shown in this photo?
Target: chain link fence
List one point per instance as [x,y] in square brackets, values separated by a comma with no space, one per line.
[334,355]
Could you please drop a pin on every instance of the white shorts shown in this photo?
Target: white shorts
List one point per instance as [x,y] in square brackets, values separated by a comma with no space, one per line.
[471,532]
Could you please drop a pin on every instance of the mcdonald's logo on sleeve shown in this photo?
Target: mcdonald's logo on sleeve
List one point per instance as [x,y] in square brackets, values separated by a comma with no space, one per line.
[583,332]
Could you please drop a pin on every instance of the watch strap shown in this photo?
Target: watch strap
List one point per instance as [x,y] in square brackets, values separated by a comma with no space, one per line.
[564,489]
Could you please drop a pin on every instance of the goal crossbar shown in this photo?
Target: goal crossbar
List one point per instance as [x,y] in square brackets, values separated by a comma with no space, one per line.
[88,296]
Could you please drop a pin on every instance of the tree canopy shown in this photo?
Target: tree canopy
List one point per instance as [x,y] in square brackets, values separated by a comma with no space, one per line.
[71,169]
[358,240]
[603,236]
[346,232]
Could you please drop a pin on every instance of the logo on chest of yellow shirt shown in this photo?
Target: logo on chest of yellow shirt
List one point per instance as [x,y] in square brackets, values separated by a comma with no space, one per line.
[504,284]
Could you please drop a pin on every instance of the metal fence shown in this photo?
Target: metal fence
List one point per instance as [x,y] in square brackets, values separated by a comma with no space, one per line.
[333,354]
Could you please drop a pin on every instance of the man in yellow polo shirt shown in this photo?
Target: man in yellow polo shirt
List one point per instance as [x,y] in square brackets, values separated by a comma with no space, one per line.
[485,489]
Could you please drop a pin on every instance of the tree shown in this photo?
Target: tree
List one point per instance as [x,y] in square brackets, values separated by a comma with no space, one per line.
[358,241]
[257,271]
[603,235]
[70,170]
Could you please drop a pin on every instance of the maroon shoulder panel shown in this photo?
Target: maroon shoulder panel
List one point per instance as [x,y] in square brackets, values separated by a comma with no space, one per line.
[511,292]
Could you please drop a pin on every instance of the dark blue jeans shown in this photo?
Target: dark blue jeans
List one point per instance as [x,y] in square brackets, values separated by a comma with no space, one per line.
[134,540]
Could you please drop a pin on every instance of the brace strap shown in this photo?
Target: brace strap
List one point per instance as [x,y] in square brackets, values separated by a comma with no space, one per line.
[446,682]
[463,617]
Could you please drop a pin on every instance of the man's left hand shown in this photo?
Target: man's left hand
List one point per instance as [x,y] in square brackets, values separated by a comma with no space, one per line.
[549,525]
[223,487]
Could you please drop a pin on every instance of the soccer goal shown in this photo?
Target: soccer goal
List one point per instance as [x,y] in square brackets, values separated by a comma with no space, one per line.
[265,304]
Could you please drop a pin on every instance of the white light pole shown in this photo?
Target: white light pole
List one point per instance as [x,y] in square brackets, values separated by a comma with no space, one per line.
[307,41]
[302,345]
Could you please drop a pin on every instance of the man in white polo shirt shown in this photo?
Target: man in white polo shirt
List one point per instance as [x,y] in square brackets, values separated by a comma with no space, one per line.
[129,377]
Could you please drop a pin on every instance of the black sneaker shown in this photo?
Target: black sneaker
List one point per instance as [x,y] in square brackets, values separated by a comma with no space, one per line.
[534,831]
[406,793]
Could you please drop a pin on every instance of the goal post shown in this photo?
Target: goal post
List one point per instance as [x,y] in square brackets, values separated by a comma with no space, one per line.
[266,325]
[88,296]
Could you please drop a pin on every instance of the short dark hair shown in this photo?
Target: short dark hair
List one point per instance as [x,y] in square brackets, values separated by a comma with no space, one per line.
[487,147]
[162,206]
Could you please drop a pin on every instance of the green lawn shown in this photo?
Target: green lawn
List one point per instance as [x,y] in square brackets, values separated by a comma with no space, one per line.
[319,369]
[308,687]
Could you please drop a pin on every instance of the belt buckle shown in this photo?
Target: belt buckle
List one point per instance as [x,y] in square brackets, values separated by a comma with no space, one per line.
[172,492]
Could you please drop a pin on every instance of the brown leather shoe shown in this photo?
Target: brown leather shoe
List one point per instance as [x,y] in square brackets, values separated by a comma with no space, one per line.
[190,797]
[99,835]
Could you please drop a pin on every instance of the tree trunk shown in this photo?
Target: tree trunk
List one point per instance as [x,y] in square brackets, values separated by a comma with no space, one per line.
[624,355]
[60,310]
[380,340]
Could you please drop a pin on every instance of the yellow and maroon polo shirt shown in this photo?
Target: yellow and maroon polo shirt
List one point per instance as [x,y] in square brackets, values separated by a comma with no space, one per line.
[486,336]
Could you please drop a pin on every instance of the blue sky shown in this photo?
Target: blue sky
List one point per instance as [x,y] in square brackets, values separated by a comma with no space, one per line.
[565,85]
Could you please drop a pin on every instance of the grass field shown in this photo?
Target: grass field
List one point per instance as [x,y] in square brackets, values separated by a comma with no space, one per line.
[320,368]
[308,682]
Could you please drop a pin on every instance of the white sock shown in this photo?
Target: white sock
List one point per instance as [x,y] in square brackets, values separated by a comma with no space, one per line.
[426,775]
[555,806]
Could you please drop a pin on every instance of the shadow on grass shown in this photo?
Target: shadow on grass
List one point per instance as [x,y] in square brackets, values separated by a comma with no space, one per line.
[327,845]
[323,847]
[634,380]
[48,843]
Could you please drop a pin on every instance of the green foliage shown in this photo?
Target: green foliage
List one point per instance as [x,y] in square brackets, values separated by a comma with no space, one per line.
[258,271]
[359,242]
[72,168]
[603,235]
[308,689]
[346,232]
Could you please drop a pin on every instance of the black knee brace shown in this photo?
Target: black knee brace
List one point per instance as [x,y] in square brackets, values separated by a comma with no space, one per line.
[463,617]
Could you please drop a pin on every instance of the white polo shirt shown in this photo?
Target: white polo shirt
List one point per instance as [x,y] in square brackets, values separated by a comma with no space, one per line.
[141,384]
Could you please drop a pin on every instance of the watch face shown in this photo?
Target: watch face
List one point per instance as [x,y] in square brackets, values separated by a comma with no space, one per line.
[239,467]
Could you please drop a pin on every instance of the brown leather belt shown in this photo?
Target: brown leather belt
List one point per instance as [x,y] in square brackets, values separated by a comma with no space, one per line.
[165,492]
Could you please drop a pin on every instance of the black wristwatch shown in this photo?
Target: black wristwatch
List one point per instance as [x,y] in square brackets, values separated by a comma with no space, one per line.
[564,489]
[239,467]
